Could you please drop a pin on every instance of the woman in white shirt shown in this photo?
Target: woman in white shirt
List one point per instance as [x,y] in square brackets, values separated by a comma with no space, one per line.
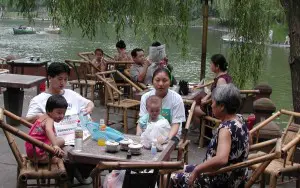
[58,74]
[172,103]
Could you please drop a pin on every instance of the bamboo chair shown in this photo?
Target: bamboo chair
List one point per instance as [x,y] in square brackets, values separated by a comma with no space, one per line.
[183,145]
[121,67]
[209,122]
[285,166]
[141,85]
[28,170]
[137,179]
[89,56]
[260,161]
[83,71]
[115,94]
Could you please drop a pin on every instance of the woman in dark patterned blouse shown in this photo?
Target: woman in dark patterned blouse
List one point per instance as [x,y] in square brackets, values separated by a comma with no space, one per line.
[219,67]
[229,145]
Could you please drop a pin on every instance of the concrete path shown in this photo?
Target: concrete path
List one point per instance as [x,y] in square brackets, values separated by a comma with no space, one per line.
[8,163]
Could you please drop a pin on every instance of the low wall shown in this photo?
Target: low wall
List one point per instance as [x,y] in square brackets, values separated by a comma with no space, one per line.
[40,71]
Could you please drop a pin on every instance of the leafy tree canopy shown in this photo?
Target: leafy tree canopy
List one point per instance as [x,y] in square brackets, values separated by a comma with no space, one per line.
[248,19]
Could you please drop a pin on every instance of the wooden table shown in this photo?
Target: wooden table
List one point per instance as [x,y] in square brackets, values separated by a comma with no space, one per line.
[26,62]
[92,153]
[86,160]
[14,94]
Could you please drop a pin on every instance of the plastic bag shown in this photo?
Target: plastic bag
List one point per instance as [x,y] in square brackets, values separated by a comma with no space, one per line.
[114,179]
[108,134]
[154,130]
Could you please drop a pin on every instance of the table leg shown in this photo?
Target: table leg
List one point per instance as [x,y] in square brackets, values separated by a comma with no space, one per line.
[13,102]
[12,68]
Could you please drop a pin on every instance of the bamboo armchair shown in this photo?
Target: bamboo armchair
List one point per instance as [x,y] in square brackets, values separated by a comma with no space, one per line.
[115,94]
[284,166]
[85,77]
[137,179]
[121,66]
[141,85]
[183,145]
[27,169]
[89,56]
[260,161]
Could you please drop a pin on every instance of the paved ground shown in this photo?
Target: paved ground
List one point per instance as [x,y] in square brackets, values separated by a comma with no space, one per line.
[9,166]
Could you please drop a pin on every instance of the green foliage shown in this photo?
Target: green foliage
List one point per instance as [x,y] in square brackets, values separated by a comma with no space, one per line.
[251,21]
[247,19]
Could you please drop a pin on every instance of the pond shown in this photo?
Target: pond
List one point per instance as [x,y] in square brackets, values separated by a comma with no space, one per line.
[275,71]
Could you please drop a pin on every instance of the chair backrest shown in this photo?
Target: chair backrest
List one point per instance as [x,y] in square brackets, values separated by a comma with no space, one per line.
[110,81]
[290,136]
[82,68]
[141,85]
[89,56]
[188,122]
[10,130]
[139,178]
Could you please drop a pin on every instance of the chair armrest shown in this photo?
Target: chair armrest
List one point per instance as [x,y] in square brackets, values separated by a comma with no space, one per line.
[268,157]
[291,144]
[264,123]
[261,145]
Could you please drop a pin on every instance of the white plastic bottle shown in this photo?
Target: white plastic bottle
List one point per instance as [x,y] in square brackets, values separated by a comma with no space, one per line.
[78,137]
[153,147]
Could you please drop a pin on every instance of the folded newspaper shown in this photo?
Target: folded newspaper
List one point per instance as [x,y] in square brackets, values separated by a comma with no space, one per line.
[66,129]
[157,53]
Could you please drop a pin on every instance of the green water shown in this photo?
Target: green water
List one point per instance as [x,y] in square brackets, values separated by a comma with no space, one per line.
[59,47]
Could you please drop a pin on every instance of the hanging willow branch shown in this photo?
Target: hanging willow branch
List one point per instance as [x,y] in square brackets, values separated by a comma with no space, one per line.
[249,22]
[169,19]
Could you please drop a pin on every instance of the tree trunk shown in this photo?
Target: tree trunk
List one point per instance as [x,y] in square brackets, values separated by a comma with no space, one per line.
[204,40]
[292,8]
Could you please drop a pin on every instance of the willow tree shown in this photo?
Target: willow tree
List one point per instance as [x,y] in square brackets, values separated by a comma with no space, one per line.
[247,19]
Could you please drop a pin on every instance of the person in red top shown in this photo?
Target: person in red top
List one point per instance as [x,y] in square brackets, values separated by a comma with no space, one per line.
[218,66]
[43,129]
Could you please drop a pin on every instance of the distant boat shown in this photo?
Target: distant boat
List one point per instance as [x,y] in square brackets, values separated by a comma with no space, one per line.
[52,30]
[24,30]
[230,38]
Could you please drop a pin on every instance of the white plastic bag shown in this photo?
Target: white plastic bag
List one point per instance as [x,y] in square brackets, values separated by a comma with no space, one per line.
[154,130]
[114,179]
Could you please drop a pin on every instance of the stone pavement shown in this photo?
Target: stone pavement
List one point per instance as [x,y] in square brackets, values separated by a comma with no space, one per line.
[9,166]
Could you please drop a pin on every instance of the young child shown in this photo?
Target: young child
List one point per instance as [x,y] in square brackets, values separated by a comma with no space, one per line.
[43,129]
[152,123]
[99,61]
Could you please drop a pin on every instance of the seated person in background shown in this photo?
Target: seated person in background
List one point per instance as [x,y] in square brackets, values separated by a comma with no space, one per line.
[43,129]
[140,70]
[158,58]
[229,145]
[99,61]
[122,54]
[218,66]
[148,120]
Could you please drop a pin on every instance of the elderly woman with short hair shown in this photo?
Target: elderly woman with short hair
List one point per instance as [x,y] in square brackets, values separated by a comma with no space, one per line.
[229,145]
